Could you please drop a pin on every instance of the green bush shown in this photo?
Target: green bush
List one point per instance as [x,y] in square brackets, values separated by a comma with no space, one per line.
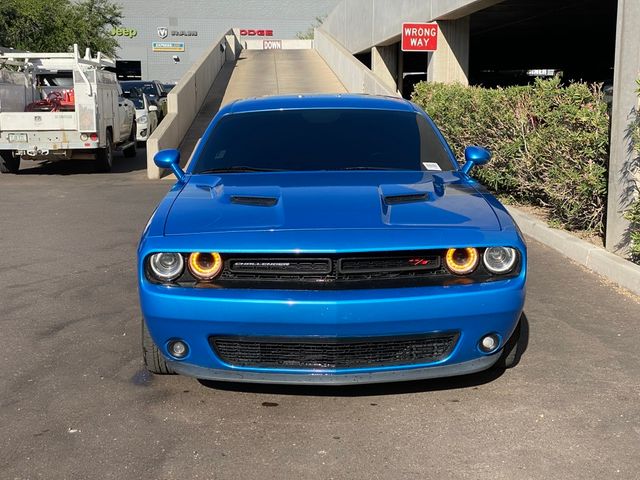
[549,143]
[633,214]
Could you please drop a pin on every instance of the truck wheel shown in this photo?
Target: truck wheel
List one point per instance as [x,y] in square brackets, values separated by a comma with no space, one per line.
[130,151]
[104,156]
[9,163]
[153,359]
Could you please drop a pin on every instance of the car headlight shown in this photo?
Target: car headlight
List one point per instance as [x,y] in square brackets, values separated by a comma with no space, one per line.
[462,261]
[205,266]
[142,119]
[499,260]
[166,267]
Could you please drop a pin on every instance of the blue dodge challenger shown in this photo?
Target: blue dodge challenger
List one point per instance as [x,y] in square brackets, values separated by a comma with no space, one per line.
[328,239]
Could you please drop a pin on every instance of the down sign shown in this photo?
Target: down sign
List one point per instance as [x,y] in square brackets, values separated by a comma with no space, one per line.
[419,37]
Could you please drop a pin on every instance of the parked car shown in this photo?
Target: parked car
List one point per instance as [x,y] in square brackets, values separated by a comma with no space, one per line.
[168,86]
[329,239]
[154,90]
[146,112]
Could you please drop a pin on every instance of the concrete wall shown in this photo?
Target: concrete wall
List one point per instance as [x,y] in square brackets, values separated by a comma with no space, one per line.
[287,44]
[385,64]
[186,98]
[450,63]
[623,163]
[360,24]
[355,76]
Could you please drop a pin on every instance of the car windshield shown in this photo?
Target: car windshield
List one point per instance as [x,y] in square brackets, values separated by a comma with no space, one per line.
[135,95]
[323,139]
[146,87]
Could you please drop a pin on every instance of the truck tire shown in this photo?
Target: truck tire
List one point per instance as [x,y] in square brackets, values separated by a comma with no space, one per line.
[104,156]
[9,163]
[130,151]
[154,361]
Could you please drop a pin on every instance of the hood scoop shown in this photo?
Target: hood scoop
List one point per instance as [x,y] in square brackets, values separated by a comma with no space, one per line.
[405,198]
[254,201]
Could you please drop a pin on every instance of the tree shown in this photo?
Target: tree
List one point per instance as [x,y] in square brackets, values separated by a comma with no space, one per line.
[308,34]
[53,26]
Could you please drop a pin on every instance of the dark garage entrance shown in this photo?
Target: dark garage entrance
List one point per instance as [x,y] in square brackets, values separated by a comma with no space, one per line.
[576,37]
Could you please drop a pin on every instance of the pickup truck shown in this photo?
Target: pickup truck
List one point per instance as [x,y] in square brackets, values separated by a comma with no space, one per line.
[59,106]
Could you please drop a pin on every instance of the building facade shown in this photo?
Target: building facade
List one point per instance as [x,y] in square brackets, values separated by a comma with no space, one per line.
[160,40]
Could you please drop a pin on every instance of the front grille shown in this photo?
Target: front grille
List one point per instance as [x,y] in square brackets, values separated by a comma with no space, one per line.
[416,263]
[275,266]
[331,353]
[334,272]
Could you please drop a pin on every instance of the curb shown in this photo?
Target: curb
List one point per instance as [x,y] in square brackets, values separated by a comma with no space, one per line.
[596,259]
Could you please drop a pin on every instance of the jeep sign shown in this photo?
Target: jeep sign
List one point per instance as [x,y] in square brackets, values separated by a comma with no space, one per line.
[124,32]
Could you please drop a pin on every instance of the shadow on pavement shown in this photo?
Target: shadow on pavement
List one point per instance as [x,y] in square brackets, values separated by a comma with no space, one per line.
[380,389]
[373,389]
[121,164]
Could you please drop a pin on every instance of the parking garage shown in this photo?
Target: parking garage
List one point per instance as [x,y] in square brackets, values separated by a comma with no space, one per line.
[511,42]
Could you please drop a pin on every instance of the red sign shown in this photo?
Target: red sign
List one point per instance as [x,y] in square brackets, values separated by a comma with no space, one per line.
[246,32]
[419,37]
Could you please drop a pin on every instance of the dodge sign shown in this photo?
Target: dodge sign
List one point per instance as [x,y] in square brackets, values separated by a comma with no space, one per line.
[419,37]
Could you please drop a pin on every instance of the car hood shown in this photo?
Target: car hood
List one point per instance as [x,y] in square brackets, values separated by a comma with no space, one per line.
[328,201]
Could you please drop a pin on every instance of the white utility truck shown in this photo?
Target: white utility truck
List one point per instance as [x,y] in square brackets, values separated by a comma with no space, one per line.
[58,106]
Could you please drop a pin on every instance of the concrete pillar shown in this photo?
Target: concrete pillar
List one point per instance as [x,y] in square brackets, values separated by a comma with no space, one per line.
[384,63]
[450,63]
[625,108]
[400,71]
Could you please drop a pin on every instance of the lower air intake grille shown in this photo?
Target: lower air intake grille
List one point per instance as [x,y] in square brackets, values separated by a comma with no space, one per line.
[324,353]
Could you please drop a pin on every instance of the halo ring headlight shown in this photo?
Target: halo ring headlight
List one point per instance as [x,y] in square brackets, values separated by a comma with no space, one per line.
[499,260]
[166,267]
[205,266]
[462,261]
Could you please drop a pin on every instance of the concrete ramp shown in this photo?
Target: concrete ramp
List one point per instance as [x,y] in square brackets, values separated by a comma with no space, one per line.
[257,73]
[278,72]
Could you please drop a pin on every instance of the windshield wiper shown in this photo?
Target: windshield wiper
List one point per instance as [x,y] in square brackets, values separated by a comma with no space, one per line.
[239,169]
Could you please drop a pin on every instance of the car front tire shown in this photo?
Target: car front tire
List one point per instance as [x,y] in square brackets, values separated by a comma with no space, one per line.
[154,361]
[515,346]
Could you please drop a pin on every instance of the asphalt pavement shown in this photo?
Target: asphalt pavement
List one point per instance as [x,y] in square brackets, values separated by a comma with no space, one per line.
[76,403]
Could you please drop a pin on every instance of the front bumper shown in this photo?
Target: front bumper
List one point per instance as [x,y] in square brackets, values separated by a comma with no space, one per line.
[327,378]
[194,314]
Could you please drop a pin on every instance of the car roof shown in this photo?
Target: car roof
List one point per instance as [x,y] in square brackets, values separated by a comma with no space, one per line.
[347,101]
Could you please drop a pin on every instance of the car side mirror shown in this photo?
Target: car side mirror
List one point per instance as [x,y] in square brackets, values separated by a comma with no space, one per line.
[170,159]
[475,156]
[153,108]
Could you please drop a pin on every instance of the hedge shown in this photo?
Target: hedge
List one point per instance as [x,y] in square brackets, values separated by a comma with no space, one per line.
[633,214]
[550,143]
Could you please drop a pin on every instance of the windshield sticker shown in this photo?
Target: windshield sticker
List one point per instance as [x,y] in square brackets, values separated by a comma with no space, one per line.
[431,166]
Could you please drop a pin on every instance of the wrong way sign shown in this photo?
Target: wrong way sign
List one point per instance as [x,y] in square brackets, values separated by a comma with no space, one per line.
[419,37]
